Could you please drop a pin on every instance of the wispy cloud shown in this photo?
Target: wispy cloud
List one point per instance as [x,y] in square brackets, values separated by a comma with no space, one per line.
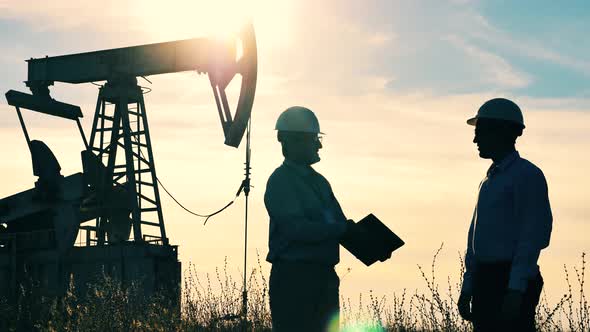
[533,47]
[494,69]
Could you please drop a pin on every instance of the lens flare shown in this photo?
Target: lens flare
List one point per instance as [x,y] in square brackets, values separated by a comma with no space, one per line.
[362,327]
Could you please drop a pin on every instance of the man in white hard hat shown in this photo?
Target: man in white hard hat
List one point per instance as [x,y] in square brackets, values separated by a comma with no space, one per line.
[511,224]
[306,225]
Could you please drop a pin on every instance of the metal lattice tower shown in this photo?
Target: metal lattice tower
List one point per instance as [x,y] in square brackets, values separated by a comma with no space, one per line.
[120,122]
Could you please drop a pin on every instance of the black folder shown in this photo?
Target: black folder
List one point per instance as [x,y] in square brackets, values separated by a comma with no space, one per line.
[370,240]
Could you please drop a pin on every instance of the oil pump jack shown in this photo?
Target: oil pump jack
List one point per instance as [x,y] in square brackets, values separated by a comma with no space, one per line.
[108,218]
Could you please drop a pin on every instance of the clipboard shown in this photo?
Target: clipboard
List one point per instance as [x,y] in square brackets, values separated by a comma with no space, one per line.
[370,240]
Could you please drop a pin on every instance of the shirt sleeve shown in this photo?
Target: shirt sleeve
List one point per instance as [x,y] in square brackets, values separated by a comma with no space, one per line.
[467,287]
[534,211]
[282,204]
[334,205]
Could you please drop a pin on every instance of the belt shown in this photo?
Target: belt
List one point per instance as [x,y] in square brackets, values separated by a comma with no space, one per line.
[302,265]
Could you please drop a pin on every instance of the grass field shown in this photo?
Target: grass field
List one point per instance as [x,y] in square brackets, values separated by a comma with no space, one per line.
[211,302]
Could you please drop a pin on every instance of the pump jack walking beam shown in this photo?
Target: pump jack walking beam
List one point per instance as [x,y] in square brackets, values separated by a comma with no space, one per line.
[120,68]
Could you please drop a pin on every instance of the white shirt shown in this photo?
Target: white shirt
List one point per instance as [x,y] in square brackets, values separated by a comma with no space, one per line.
[306,221]
[512,221]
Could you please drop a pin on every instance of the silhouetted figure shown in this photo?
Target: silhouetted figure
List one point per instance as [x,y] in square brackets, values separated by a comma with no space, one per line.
[511,224]
[306,224]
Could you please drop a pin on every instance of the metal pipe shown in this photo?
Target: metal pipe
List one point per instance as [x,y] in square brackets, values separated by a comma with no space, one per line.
[96,115]
[22,124]
[82,133]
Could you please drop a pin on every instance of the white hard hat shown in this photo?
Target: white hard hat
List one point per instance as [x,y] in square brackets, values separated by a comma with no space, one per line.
[298,119]
[500,109]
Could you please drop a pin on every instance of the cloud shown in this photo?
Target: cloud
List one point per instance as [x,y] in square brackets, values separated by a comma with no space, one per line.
[418,47]
[420,59]
[380,38]
[482,30]
[495,70]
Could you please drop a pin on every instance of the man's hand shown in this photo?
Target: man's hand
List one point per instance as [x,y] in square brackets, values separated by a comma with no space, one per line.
[511,305]
[385,256]
[464,305]
[349,230]
[350,225]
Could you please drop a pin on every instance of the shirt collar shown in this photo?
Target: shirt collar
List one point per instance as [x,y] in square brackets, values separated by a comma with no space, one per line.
[504,163]
[301,169]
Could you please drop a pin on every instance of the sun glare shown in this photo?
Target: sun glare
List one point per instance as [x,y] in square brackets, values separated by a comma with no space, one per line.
[181,19]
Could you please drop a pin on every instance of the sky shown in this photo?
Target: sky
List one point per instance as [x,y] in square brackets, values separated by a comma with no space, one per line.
[392,83]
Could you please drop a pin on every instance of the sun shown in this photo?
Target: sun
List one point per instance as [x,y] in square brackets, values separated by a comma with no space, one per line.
[181,19]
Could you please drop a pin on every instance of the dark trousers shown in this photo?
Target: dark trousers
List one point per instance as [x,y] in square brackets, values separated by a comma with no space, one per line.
[303,297]
[490,284]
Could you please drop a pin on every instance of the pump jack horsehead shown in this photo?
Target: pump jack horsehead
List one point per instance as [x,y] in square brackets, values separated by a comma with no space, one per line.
[118,188]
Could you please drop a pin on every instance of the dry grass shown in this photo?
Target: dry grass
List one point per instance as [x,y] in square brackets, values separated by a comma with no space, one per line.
[213,303]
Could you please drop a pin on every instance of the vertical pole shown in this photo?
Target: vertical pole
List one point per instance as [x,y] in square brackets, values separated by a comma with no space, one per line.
[103,108]
[131,183]
[98,113]
[246,185]
[138,139]
[245,290]
[112,157]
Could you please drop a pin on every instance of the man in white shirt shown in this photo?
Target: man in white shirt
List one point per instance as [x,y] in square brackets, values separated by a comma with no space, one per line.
[306,225]
[511,224]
